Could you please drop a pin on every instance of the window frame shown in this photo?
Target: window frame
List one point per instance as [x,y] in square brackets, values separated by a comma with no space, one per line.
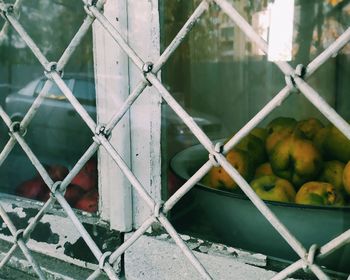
[140,148]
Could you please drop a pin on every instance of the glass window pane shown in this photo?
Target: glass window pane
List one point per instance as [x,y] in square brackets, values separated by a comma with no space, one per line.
[57,134]
[223,80]
[84,90]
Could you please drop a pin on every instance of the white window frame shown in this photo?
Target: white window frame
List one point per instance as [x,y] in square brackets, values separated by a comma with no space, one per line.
[137,136]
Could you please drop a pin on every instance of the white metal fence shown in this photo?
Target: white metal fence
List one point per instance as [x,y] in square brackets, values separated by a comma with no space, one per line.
[295,78]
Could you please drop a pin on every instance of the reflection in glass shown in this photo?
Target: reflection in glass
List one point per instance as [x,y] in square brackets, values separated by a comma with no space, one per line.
[57,134]
[218,73]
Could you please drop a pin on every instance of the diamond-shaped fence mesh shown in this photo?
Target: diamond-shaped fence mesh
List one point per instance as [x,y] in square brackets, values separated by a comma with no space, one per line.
[148,77]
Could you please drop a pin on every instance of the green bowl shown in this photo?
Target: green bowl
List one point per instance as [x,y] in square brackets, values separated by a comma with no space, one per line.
[240,224]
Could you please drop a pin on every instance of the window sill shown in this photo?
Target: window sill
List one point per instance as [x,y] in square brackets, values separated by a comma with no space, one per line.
[55,235]
[63,254]
[164,260]
[53,268]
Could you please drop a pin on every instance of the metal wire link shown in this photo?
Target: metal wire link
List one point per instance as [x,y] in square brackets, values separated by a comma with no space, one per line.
[300,71]
[17,128]
[4,29]
[147,68]
[87,10]
[52,67]
[56,187]
[213,156]
[18,241]
[158,207]
[18,235]
[102,131]
[310,257]
[102,260]
[6,8]
[213,160]
[96,140]
[36,163]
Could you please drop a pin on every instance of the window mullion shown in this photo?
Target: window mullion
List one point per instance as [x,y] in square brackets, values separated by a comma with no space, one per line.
[145,114]
[112,88]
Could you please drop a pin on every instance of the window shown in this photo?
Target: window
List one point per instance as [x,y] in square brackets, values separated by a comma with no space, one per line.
[219,71]
[85,91]
[162,140]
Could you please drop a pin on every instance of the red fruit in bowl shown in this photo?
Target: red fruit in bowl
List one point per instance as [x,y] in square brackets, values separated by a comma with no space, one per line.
[91,167]
[87,176]
[89,202]
[84,180]
[57,172]
[73,194]
[32,188]
[44,195]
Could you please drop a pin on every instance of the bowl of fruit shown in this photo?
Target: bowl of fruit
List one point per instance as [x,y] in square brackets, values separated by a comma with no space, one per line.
[301,169]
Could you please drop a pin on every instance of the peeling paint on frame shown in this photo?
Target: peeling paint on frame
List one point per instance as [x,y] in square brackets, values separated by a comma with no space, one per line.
[55,234]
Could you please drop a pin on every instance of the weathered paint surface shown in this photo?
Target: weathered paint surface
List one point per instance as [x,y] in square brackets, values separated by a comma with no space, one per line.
[56,236]
[53,269]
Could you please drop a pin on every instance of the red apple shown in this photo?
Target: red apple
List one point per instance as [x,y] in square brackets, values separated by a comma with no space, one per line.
[73,194]
[89,202]
[87,176]
[91,167]
[44,195]
[32,188]
[57,172]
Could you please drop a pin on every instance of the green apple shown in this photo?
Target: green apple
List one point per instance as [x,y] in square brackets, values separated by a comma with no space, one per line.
[278,129]
[240,160]
[296,159]
[333,173]
[281,123]
[309,127]
[263,170]
[336,145]
[273,188]
[259,132]
[320,140]
[255,147]
[346,178]
[319,193]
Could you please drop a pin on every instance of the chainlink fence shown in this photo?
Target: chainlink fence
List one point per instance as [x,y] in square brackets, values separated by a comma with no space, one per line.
[295,79]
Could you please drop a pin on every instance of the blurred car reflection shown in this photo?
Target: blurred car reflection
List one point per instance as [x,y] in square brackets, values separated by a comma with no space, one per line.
[5,89]
[56,130]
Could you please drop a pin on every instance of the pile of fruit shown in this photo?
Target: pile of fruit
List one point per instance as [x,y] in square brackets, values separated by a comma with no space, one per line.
[81,193]
[302,162]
